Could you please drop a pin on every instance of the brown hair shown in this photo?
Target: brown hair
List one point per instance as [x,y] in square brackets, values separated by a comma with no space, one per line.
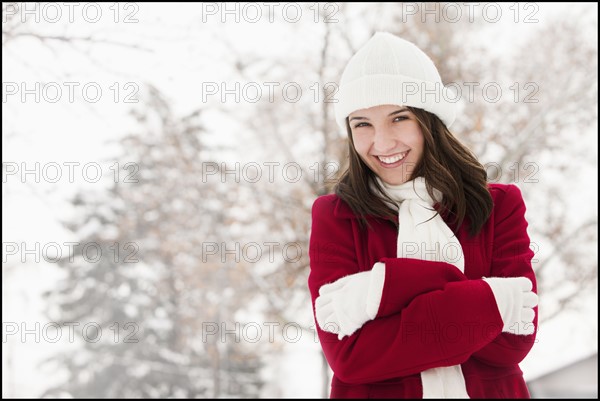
[446,164]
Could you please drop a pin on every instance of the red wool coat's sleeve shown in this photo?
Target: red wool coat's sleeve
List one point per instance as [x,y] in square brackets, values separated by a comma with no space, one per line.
[511,257]
[407,278]
[442,327]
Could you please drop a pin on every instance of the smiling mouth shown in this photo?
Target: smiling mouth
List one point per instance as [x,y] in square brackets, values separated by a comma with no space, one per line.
[392,159]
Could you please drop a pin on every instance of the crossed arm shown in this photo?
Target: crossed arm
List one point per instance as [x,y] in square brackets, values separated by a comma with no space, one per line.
[430,314]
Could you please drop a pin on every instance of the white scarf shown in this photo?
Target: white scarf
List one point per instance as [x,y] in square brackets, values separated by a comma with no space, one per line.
[423,234]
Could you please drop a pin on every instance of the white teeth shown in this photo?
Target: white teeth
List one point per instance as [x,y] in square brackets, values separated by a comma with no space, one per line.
[394,159]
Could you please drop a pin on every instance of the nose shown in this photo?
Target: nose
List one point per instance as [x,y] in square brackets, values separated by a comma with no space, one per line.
[383,140]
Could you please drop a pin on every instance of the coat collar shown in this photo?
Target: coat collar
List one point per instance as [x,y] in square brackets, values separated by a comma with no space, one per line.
[343,211]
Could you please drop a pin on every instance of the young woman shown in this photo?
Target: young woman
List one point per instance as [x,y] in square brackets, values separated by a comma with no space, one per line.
[421,277]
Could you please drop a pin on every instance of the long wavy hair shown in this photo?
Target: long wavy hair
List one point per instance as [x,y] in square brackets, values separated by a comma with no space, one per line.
[446,164]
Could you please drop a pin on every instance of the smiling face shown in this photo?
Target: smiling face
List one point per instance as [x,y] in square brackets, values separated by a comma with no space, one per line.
[389,140]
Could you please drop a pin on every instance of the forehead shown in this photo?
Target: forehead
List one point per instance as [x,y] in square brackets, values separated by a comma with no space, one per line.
[384,109]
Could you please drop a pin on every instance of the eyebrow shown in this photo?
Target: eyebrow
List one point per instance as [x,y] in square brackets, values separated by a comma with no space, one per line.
[389,115]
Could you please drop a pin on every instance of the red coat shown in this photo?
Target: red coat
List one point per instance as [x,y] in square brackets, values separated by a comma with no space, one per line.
[431,314]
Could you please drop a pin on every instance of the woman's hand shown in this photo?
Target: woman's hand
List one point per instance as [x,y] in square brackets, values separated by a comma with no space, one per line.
[515,300]
[346,304]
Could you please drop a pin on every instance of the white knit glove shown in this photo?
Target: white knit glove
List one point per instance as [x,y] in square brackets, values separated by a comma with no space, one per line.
[515,302]
[346,304]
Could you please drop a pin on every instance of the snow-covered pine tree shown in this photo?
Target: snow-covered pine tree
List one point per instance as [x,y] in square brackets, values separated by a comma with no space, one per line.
[152,292]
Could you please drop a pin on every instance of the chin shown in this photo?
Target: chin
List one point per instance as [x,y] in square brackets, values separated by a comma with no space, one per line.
[394,181]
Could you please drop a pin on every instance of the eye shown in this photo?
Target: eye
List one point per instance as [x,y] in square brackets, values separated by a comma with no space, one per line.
[361,125]
[401,118]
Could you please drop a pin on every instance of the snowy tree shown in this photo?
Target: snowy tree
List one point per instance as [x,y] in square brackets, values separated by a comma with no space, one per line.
[153,280]
[513,137]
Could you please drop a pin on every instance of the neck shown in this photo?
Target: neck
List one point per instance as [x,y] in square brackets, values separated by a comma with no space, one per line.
[406,184]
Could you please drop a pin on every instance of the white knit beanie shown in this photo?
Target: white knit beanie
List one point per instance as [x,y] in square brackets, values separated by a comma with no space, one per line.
[391,70]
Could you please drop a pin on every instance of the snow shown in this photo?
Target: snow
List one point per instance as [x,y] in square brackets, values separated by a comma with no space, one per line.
[80,132]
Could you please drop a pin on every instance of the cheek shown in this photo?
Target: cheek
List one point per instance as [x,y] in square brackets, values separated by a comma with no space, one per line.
[416,139]
[418,143]
[361,144]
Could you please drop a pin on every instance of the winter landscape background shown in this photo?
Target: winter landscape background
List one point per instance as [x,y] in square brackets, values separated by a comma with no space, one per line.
[160,162]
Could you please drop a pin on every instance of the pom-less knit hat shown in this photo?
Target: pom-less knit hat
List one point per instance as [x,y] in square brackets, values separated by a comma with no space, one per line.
[391,70]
